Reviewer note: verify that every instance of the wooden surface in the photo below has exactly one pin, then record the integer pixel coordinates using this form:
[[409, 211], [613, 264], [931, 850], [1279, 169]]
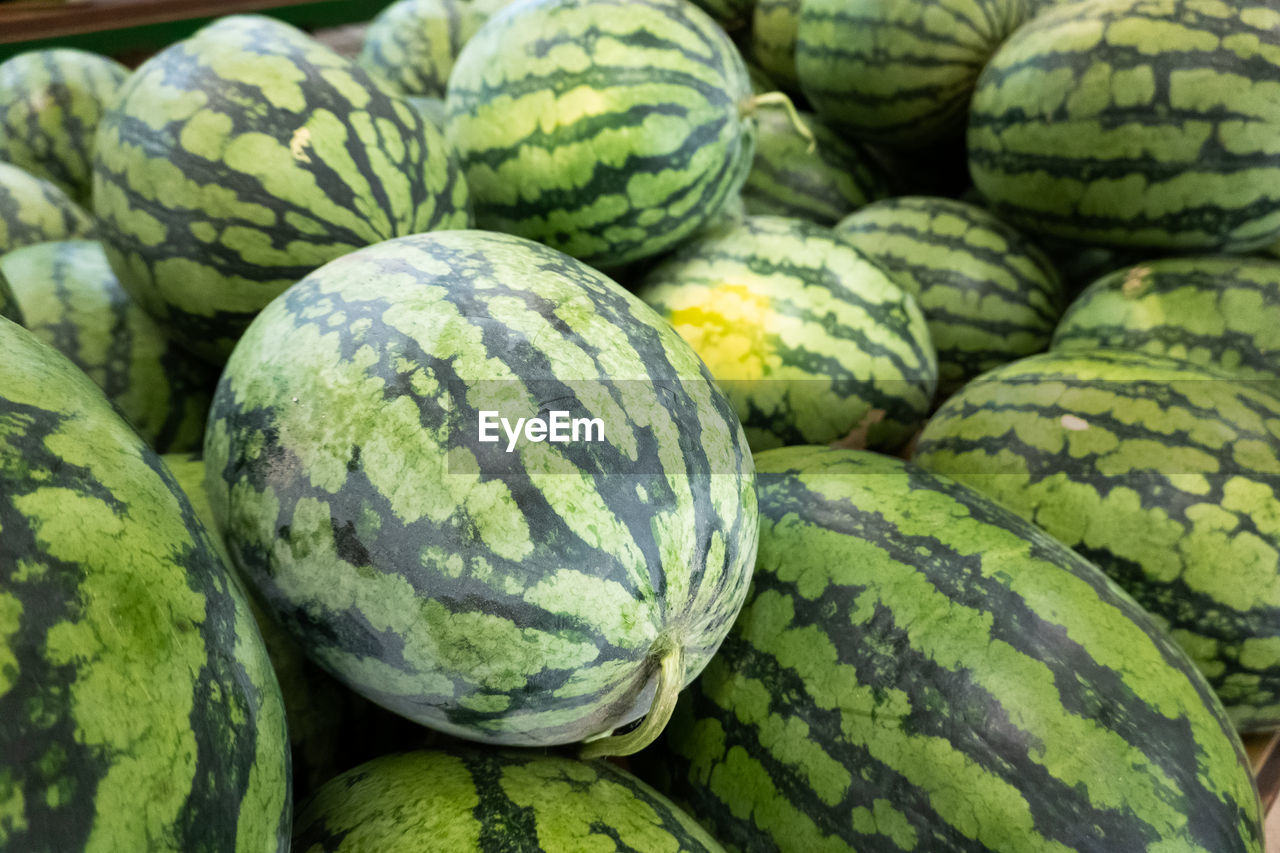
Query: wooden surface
[[1264, 758], [29, 21]]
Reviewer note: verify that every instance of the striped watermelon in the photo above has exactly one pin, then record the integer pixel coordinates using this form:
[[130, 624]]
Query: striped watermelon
[[138, 710], [898, 72], [821, 182], [413, 44], [493, 802], [988, 294], [616, 146], [811, 340], [773, 39], [529, 593], [1165, 475], [33, 210], [242, 158], [1135, 123], [1218, 312], [72, 301], [917, 669], [50, 104]]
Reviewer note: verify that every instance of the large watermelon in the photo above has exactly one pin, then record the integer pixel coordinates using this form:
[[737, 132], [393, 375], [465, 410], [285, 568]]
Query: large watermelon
[[1218, 312], [608, 129], [239, 160], [1164, 474], [72, 301], [493, 802], [138, 710], [33, 210], [1135, 123], [898, 71], [50, 104], [812, 340], [989, 295], [918, 669], [525, 592]]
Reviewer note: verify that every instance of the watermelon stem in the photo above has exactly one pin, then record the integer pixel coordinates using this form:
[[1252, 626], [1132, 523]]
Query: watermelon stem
[[670, 680], [781, 99]]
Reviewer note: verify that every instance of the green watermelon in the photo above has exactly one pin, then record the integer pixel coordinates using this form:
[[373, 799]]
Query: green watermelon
[[898, 71], [812, 340], [773, 39], [72, 301], [989, 295], [493, 802], [50, 104], [239, 160], [918, 669], [1135, 123], [821, 180], [514, 592], [613, 147], [1166, 475], [413, 44], [138, 710], [33, 210], [1218, 312]]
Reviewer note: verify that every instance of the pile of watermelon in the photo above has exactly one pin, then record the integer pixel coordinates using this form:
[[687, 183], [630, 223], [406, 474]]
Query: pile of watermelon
[[645, 425]]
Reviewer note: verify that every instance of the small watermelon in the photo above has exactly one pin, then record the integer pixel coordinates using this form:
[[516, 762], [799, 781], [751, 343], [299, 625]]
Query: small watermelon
[[773, 39], [138, 709], [917, 669], [33, 210], [1135, 123], [72, 301], [812, 340], [1218, 312], [50, 104], [821, 180], [493, 802], [239, 160], [412, 44], [529, 592], [989, 295], [1165, 475], [608, 129], [898, 71]]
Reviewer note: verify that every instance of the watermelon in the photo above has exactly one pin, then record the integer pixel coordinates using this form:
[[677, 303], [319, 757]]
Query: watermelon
[[898, 71], [1166, 475], [918, 669], [493, 802], [773, 39], [989, 295], [431, 109], [50, 104], [819, 180], [413, 44], [239, 160], [138, 710], [33, 210], [72, 301], [1135, 123], [1219, 312], [522, 591], [811, 339], [613, 147]]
